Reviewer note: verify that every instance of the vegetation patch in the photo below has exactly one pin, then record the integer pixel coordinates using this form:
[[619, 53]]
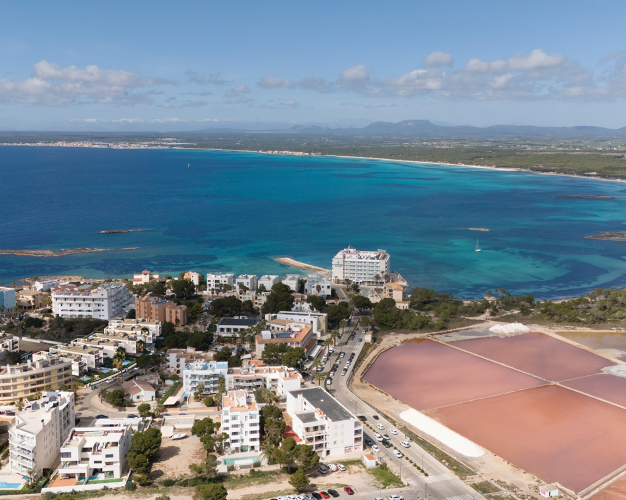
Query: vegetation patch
[[385, 477], [485, 487]]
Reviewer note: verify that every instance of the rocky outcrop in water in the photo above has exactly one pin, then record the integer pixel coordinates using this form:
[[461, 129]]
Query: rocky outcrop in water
[[614, 236]]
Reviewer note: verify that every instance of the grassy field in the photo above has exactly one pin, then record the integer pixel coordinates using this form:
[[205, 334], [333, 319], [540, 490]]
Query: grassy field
[[485, 487], [385, 477]]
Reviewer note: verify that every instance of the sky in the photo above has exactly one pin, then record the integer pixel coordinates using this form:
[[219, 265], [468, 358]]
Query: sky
[[175, 66]]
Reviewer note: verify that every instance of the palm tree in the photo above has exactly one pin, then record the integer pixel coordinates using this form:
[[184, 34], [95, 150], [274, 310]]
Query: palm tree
[[316, 363], [319, 376], [119, 364], [37, 395], [141, 345], [269, 397], [327, 343], [333, 335], [343, 323], [19, 405]]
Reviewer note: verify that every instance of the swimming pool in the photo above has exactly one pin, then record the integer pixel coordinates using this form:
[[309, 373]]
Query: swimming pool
[[233, 461], [9, 486]]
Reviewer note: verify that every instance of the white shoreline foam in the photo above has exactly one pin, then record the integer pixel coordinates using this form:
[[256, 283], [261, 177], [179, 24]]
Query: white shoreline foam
[[440, 432]]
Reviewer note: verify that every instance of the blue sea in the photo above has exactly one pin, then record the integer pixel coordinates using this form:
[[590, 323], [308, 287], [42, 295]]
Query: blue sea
[[235, 212]]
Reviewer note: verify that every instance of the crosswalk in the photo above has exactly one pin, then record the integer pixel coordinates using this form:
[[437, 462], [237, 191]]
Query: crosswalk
[[467, 496], [436, 479], [411, 482]]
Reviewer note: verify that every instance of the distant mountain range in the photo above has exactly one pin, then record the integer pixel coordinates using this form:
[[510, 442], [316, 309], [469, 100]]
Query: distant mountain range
[[425, 128]]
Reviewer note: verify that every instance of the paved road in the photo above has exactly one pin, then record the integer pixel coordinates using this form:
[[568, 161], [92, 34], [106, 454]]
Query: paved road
[[441, 484]]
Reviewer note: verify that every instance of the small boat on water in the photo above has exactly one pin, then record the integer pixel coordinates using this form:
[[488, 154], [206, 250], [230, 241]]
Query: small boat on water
[[188, 165], [180, 435], [477, 248]]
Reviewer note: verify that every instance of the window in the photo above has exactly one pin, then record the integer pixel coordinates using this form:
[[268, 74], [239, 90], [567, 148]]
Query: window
[[109, 456], [66, 454]]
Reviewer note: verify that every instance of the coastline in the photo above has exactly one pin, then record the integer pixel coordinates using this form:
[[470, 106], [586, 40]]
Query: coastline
[[296, 153], [60, 253], [288, 261]]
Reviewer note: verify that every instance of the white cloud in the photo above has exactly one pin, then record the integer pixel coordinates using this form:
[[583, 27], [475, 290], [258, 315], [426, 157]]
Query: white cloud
[[212, 79], [291, 104], [311, 82], [355, 75], [438, 58], [51, 84]]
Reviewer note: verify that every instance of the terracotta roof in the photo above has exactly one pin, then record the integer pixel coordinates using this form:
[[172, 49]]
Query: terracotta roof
[[298, 338]]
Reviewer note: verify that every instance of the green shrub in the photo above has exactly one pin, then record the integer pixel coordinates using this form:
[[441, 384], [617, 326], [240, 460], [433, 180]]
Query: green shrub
[[257, 464], [230, 468], [168, 482], [130, 486]]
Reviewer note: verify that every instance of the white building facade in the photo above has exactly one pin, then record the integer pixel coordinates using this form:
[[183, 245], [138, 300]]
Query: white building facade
[[39, 431], [360, 266], [292, 281], [136, 326], [205, 373], [248, 280], [323, 423], [318, 284], [268, 281], [214, 281], [45, 285], [241, 421], [317, 320], [7, 298], [106, 301]]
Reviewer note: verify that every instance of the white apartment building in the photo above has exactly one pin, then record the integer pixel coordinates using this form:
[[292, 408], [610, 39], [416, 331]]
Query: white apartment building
[[90, 356], [278, 379], [95, 451], [39, 430], [230, 327], [323, 423], [215, 281], [248, 280], [7, 298], [241, 421], [318, 284], [136, 326], [292, 281], [144, 277], [129, 341], [205, 373], [179, 359], [44, 285], [104, 302], [317, 320], [193, 277], [9, 342], [360, 267], [268, 281]]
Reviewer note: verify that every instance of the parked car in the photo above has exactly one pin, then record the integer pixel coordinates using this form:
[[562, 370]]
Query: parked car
[[385, 436], [393, 431], [378, 437], [380, 426], [406, 444], [368, 442], [375, 417], [332, 467], [342, 354], [348, 490], [341, 467], [102, 416], [324, 494], [329, 381], [317, 496], [322, 468], [386, 443], [375, 448], [395, 497], [397, 453], [343, 372], [333, 493], [363, 331], [308, 497], [362, 418], [360, 339], [131, 415]]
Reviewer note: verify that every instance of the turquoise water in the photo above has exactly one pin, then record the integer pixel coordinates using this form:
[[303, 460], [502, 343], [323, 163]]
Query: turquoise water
[[9, 486], [237, 211], [233, 461]]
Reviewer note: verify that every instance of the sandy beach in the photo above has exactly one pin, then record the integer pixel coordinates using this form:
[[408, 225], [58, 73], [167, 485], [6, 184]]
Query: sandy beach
[[301, 265]]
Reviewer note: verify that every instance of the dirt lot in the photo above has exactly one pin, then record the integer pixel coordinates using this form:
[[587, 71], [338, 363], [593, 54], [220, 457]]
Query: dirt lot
[[174, 457]]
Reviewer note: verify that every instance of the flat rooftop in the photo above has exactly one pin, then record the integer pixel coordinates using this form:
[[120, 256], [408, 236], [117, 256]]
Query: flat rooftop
[[321, 400]]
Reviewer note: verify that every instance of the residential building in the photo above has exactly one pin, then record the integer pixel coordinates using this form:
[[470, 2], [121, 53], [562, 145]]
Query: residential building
[[279, 379], [7, 298], [205, 373], [157, 309], [105, 301], [9, 342], [22, 380], [137, 423], [39, 430], [91, 356], [268, 281], [292, 281], [317, 320], [300, 303], [139, 390], [318, 284], [323, 423], [147, 329], [179, 359], [260, 298], [45, 285], [107, 347], [360, 266], [131, 342], [241, 421], [193, 277], [144, 278], [250, 281], [30, 299], [296, 335], [229, 327], [393, 291], [95, 451], [216, 281]]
